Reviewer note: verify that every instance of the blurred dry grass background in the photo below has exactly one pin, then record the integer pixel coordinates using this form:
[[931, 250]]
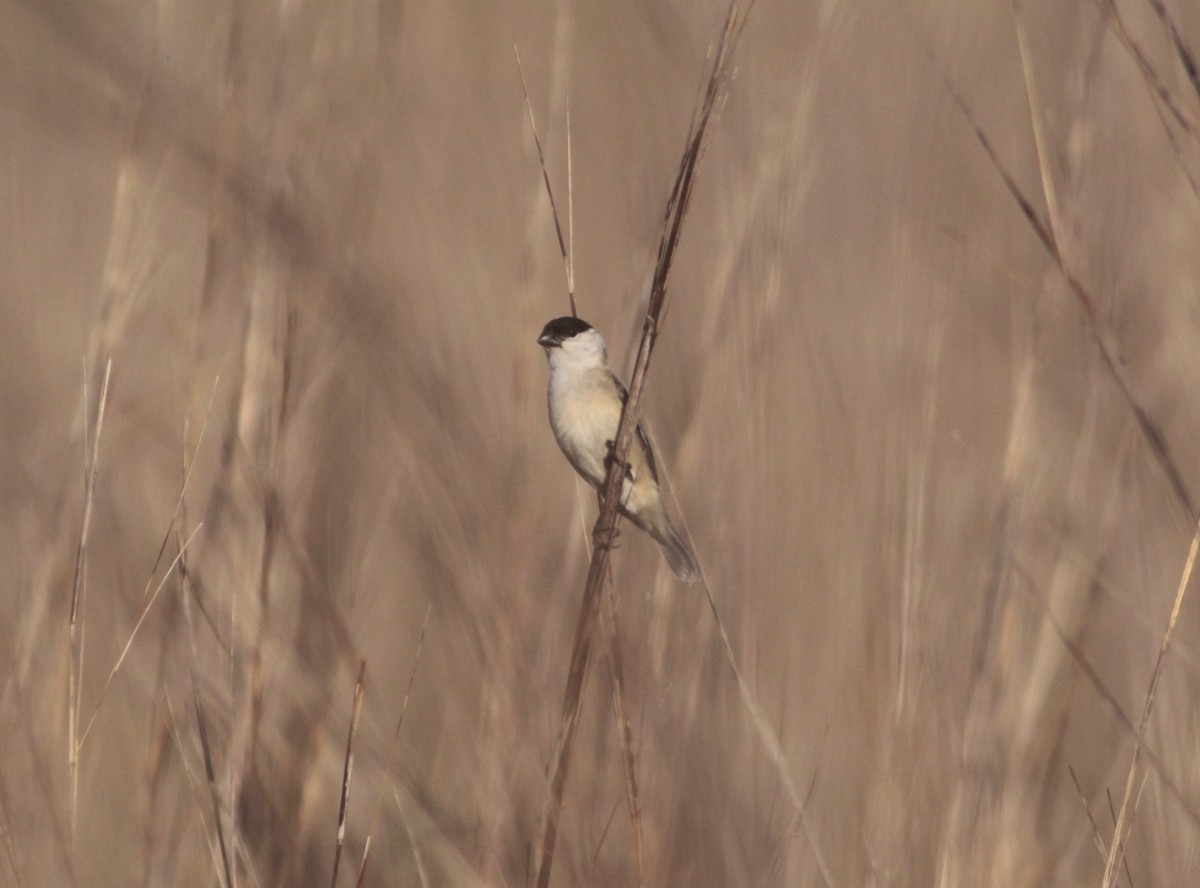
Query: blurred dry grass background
[[904, 465]]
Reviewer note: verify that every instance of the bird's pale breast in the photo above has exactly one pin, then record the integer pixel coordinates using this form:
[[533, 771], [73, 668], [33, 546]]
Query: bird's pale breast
[[585, 412]]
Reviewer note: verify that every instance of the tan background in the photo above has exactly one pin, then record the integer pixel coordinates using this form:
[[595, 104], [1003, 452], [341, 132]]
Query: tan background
[[889, 431]]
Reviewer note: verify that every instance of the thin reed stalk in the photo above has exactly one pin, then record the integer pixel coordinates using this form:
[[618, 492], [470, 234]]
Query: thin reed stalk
[[348, 770], [604, 531], [79, 589], [1116, 846]]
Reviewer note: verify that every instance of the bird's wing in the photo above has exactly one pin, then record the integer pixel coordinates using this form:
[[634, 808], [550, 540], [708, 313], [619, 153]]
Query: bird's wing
[[641, 433]]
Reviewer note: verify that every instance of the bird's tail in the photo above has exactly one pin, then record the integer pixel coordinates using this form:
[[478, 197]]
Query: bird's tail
[[679, 557]]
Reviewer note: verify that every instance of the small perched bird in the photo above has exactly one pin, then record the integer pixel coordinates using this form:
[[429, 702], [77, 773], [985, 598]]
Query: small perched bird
[[585, 410]]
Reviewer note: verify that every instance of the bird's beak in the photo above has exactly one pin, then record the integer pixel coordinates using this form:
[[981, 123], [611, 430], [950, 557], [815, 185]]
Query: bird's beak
[[548, 341]]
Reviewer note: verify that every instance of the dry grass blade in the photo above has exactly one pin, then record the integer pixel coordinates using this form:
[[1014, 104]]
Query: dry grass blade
[[202, 725], [387, 776], [767, 736], [1049, 192], [1185, 55], [1112, 813], [1164, 97], [1155, 83], [188, 466], [90, 461], [348, 769], [1097, 837], [137, 624], [1115, 848], [1093, 677], [418, 860], [192, 785], [570, 216], [210, 774], [564, 245], [79, 587], [612, 815], [604, 531], [147, 598]]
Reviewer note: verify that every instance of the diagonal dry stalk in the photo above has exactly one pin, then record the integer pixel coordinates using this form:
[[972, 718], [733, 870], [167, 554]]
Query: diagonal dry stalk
[[1100, 334], [1087, 811], [1096, 836], [147, 604], [192, 784], [1110, 699], [604, 531], [201, 720], [1166, 104], [149, 598], [767, 736], [348, 769], [1116, 846], [1052, 237], [1049, 192], [1186, 58], [1153, 80], [418, 860], [79, 587]]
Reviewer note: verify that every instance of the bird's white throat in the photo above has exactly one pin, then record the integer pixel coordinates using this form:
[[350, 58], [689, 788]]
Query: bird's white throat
[[578, 354]]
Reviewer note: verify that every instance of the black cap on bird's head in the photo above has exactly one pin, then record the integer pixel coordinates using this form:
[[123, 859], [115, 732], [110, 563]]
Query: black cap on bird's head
[[561, 329]]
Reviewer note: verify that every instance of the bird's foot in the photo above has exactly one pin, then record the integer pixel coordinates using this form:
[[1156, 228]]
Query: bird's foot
[[611, 458], [602, 540]]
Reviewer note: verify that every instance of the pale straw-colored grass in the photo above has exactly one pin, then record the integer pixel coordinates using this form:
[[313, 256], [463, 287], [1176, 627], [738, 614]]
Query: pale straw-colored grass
[[925, 400]]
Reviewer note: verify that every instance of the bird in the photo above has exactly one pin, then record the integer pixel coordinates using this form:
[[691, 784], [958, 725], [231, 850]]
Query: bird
[[585, 399]]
